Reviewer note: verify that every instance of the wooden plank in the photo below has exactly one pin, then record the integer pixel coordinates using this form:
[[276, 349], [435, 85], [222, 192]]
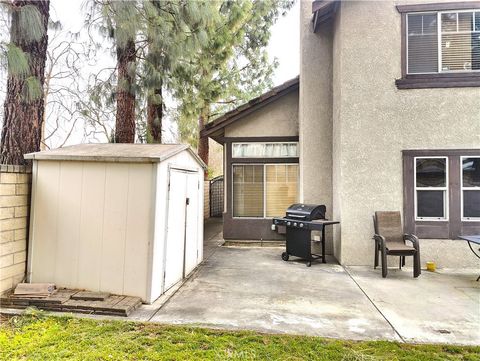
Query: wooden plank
[[127, 305], [90, 296], [34, 288]]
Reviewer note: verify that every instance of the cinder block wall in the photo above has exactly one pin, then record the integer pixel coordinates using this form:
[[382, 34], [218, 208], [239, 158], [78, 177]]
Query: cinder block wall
[[206, 202], [14, 211]]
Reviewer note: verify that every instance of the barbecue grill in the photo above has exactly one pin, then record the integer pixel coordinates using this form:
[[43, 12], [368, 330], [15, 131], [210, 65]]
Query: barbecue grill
[[300, 220]]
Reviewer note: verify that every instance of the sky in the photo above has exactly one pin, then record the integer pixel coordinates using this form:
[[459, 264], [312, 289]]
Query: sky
[[284, 46], [284, 42]]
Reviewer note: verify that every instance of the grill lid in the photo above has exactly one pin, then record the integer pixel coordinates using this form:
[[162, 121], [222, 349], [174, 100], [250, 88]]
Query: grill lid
[[306, 212]]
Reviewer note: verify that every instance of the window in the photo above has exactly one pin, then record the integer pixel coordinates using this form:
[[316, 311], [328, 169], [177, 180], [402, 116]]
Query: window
[[422, 42], [248, 190], [431, 188], [281, 188], [440, 45], [441, 42], [441, 192], [470, 181], [265, 150], [264, 190]]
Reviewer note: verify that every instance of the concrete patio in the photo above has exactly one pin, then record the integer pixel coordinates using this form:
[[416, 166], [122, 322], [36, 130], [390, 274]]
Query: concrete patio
[[252, 288]]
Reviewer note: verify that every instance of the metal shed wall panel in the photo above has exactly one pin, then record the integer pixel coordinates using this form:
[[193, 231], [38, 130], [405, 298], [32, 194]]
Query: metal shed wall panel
[[181, 160], [92, 225]]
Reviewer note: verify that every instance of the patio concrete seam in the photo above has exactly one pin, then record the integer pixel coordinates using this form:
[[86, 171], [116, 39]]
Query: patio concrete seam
[[374, 305]]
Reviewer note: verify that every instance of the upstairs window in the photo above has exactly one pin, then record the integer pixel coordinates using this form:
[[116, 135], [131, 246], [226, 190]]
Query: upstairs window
[[443, 42]]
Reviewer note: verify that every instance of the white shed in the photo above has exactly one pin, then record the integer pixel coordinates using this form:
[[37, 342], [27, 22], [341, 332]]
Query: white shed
[[119, 218]]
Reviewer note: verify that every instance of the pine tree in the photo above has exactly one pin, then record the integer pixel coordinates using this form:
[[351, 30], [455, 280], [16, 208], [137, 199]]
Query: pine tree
[[24, 104], [120, 21], [232, 66], [174, 31], [151, 38]]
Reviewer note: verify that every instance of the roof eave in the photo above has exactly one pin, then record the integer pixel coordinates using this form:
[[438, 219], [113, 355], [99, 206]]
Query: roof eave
[[323, 10], [215, 129]]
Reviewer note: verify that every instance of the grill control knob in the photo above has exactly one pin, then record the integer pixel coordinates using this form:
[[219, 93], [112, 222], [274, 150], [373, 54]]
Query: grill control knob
[[295, 224], [288, 223], [300, 225]]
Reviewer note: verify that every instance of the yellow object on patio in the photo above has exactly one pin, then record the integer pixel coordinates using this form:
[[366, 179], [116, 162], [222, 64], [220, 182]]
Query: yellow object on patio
[[431, 266]]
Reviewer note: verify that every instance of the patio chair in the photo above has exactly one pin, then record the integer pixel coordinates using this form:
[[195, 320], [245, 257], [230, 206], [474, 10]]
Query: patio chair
[[391, 241]]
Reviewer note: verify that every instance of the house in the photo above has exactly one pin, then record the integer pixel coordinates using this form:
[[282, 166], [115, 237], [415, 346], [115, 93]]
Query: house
[[388, 119]]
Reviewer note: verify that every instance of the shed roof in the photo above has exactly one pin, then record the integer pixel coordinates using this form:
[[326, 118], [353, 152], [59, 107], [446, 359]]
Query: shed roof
[[215, 128], [115, 152]]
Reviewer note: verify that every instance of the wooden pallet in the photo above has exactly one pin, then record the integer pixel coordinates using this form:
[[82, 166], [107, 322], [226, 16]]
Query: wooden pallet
[[61, 300]]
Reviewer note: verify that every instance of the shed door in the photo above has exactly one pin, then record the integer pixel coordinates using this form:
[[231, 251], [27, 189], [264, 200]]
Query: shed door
[[182, 226], [191, 237]]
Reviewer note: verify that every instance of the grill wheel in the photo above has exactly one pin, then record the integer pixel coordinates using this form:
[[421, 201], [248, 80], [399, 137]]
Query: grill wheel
[[285, 256]]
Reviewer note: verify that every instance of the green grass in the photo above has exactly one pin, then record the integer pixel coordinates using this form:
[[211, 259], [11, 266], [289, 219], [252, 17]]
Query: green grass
[[37, 336]]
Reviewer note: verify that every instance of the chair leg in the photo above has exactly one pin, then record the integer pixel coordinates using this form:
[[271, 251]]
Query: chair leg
[[400, 262], [416, 265], [384, 264], [403, 261], [375, 264]]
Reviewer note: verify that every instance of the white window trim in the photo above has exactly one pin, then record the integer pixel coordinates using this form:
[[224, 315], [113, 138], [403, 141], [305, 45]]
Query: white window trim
[[444, 189], [264, 187], [439, 39], [462, 188], [263, 156]]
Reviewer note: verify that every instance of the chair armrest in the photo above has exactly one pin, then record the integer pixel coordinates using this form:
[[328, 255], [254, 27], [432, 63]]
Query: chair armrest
[[380, 239], [412, 238]]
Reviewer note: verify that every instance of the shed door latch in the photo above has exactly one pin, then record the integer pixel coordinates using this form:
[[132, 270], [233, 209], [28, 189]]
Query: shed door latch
[[187, 201]]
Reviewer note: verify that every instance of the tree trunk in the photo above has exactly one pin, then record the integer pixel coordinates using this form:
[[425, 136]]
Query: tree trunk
[[203, 148], [125, 118], [154, 118], [23, 118]]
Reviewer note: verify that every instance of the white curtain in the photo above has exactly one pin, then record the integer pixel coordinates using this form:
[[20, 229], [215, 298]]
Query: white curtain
[[265, 150]]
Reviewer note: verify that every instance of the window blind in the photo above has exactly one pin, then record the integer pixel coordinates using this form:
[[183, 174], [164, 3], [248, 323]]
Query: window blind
[[422, 43], [281, 188], [248, 190], [459, 46], [264, 190], [460, 42]]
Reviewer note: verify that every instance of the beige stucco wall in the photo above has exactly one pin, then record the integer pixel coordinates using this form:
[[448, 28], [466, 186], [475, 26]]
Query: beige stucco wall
[[373, 122], [315, 114], [14, 209], [276, 119]]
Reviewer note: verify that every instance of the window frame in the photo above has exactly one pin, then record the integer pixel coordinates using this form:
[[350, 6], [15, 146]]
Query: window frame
[[455, 226], [264, 187], [440, 34], [445, 190], [462, 188], [263, 156], [446, 79]]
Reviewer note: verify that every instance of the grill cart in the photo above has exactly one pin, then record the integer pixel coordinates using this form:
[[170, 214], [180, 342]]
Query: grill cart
[[300, 220]]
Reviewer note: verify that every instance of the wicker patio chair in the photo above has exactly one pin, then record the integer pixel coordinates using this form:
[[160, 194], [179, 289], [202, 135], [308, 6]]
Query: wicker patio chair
[[391, 241]]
